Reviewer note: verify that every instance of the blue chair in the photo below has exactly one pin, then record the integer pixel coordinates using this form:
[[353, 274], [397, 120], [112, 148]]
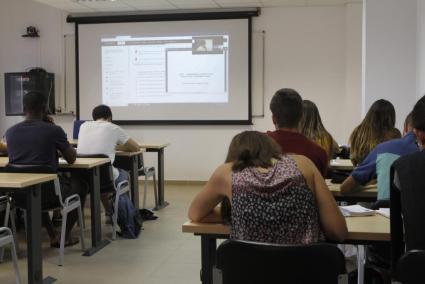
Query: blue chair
[[76, 129]]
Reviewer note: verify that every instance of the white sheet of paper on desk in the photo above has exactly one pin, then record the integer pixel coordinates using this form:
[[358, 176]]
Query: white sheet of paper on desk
[[384, 212], [356, 211]]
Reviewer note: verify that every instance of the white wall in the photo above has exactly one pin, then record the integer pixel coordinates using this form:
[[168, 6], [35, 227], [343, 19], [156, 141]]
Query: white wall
[[18, 54], [390, 54], [421, 49], [316, 50]]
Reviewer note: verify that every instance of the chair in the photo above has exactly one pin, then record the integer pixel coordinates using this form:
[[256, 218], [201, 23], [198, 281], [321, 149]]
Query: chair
[[407, 198], [148, 172], [76, 128], [119, 189], [410, 268], [251, 262], [9, 213], [67, 205], [6, 238]]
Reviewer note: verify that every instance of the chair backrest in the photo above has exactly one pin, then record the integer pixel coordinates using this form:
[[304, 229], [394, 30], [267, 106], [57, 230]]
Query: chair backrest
[[407, 196], [410, 268], [76, 129], [40, 169], [250, 262], [21, 168]]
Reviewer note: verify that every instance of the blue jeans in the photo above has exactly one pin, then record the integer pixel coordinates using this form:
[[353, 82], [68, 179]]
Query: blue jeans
[[122, 176]]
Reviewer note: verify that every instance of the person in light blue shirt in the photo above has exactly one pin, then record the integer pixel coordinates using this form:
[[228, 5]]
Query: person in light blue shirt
[[378, 163]]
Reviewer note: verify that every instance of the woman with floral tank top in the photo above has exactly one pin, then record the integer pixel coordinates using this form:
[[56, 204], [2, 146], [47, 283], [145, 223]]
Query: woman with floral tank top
[[274, 198]]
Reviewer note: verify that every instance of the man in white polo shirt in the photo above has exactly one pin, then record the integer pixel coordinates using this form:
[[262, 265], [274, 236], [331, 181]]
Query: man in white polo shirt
[[101, 136]]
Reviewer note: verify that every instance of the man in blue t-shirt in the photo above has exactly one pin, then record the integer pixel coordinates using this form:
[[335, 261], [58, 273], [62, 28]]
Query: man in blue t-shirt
[[36, 141], [378, 163]]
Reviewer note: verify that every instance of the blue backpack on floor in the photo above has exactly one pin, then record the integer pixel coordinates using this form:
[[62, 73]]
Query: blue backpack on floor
[[129, 219]]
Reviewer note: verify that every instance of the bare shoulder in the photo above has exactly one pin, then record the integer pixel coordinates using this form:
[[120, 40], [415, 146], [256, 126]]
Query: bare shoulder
[[222, 172], [303, 162], [307, 168]]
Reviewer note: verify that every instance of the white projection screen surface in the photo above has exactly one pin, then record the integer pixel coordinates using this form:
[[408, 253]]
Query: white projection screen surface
[[167, 71]]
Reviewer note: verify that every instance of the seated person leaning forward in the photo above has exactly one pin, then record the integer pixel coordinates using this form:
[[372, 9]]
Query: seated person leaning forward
[[378, 162], [101, 136], [275, 198], [287, 109], [36, 141]]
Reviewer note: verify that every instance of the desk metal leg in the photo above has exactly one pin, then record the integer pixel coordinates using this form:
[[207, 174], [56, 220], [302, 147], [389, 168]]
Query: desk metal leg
[[208, 256], [361, 260], [161, 198], [134, 181], [35, 259], [96, 225]]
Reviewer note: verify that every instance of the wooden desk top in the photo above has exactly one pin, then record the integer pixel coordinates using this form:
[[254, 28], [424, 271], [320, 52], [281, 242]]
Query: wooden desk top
[[370, 228], [153, 146], [128, 154], [80, 163], [83, 163], [369, 191], [158, 146], [341, 164], [22, 180]]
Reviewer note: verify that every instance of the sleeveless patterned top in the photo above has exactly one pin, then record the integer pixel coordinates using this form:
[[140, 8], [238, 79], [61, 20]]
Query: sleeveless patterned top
[[274, 207]]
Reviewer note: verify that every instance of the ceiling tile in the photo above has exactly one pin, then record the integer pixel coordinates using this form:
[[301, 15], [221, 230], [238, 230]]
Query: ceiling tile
[[325, 2], [191, 2], [274, 3], [196, 6], [240, 5], [103, 4], [63, 4], [149, 4]]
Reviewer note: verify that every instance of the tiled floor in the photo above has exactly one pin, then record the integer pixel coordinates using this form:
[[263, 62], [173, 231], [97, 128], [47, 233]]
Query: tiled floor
[[162, 254]]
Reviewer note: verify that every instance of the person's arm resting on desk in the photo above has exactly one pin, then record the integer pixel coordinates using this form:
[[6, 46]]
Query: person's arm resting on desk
[[68, 152], [3, 147], [129, 146], [218, 186], [362, 174], [70, 155], [331, 220]]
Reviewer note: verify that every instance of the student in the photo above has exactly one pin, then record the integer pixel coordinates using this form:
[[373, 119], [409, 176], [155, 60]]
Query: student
[[286, 108], [409, 179], [376, 127], [36, 141], [276, 198], [378, 163], [101, 136], [311, 126]]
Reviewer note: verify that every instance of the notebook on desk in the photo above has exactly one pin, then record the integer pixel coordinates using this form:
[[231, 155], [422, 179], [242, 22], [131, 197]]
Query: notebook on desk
[[356, 211]]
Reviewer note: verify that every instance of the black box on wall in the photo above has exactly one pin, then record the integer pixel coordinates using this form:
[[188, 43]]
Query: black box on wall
[[17, 84]]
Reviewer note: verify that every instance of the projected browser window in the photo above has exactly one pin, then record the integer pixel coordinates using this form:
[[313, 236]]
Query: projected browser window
[[174, 69]]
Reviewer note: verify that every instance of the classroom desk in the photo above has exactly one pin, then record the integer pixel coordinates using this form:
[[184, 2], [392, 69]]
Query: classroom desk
[[361, 231], [89, 167], [31, 183], [158, 148], [369, 194], [131, 164], [341, 164]]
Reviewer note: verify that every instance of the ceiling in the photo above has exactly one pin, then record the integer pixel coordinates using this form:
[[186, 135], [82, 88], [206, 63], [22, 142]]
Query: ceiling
[[84, 6]]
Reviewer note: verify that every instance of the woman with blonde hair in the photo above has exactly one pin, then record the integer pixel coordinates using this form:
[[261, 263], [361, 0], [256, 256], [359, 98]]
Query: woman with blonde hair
[[311, 126], [275, 198], [376, 127]]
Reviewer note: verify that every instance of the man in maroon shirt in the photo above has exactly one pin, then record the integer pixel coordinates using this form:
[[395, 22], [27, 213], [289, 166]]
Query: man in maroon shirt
[[286, 107]]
